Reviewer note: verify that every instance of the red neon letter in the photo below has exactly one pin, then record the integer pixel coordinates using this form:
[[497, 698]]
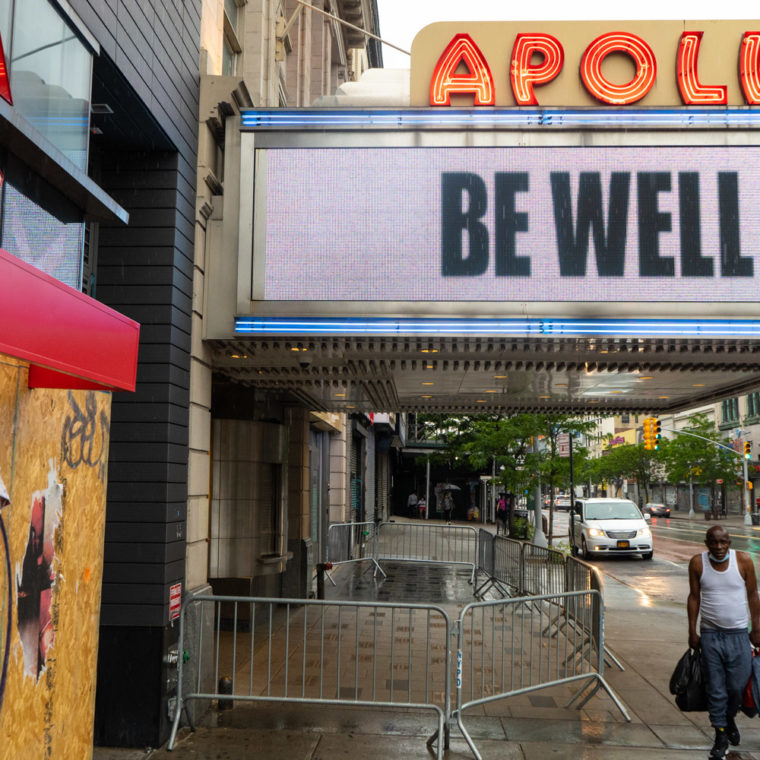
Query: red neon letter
[[692, 91], [5, 84], [524, 76], [618, 94], [479, 81], [749, 67]]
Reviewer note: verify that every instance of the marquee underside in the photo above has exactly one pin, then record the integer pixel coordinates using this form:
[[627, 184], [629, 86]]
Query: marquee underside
[[583, 375]]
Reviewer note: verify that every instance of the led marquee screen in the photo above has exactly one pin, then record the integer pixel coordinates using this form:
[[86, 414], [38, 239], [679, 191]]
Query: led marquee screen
[[512, 224]]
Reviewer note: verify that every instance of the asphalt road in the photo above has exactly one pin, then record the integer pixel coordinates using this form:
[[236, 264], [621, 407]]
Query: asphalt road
[[664, 579]]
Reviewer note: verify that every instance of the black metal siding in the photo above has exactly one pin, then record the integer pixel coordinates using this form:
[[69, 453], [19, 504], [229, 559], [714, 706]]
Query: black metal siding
[[145, 270]]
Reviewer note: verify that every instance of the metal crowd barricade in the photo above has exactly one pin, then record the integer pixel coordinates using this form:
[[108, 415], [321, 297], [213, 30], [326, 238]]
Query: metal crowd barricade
[[352, 542], [438, 544], [508, 565], [485, 562], [543, 570], [502, 650], [582, 576], [313, 651]]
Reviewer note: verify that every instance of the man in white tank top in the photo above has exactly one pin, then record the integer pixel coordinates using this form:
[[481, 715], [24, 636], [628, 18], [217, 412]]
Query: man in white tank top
[[723, 595]]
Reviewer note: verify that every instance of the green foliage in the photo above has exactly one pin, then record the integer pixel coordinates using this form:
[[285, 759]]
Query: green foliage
[[522, 528], [631, 461], [482, 443], [508, 442], [690, 458]]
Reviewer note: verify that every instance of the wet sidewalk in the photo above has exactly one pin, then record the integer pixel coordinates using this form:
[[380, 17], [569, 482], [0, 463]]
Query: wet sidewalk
[[646, 637]]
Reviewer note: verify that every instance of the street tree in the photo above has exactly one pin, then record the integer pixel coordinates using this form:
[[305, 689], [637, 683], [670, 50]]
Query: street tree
[[628, 461], [688, 458]]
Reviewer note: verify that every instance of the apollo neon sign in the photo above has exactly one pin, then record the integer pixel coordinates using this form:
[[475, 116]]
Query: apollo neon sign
[[538, 58]]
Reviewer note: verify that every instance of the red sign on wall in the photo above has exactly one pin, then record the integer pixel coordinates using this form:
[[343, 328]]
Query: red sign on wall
[[175, 601]]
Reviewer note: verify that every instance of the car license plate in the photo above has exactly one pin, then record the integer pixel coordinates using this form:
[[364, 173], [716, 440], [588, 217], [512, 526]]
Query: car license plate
[[622, 544]]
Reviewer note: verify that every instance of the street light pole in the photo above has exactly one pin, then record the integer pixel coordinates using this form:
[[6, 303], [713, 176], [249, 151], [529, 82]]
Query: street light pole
[[747, 507], [691, 494], [539, 539]]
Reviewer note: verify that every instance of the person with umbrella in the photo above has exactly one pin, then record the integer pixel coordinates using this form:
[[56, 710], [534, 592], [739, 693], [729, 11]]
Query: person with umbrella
[[448, 505]]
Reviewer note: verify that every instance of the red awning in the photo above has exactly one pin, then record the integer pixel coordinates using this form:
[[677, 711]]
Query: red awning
[[70, 339]]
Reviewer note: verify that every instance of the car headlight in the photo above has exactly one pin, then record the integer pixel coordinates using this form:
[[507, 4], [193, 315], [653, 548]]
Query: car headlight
[[644, 533], [596, 532]]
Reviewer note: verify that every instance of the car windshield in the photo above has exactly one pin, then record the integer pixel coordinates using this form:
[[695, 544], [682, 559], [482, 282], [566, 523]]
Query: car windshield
[[614, 510]]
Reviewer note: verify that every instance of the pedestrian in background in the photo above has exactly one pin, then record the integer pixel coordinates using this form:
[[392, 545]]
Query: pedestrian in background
[[723, 595], [411, 504], [448, 506], [422, 507], [501, 514]]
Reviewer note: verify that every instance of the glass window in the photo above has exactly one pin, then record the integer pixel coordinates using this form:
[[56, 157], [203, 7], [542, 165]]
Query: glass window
[[231, 9], [51, 71], [730, 409], [5, 25], [753, 404], [229, 60]]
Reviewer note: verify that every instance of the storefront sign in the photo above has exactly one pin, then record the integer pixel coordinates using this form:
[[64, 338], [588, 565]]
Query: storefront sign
[[684, 63]]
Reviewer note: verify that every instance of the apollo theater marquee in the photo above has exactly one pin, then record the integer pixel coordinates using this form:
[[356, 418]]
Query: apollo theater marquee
[[541, 173]]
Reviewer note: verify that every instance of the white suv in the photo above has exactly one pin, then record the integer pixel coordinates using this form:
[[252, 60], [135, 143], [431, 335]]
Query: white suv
[[609, 526]]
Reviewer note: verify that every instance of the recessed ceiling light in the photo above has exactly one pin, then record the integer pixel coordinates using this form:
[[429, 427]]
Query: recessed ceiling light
[[428, 383], [429, 366], [340, 395], [646, 378], [429, 350], [500, 377], [480, 401], [492, 391], [561, 385], [544, 396], [663, 397], [698, 385], [350, 406], [616, 391], [426, 397]]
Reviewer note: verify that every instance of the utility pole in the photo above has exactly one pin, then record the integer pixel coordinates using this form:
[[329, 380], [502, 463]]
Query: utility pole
[[539, 539]]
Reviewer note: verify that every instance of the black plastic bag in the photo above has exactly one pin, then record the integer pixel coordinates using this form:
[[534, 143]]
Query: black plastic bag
[[687, 684]]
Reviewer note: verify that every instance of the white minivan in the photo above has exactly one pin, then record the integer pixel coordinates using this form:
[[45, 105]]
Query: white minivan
[[609, 526]]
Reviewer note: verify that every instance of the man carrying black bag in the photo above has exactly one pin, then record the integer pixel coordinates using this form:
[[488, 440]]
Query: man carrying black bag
[[722, 584]]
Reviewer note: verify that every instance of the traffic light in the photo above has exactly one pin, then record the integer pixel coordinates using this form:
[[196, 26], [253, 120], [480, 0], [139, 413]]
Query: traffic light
[[648, 433], [656, 432], [748, 449]]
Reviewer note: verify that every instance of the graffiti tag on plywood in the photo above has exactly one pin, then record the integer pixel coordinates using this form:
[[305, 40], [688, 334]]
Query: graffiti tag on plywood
[[85, 435], [36, 576], [5, 593]]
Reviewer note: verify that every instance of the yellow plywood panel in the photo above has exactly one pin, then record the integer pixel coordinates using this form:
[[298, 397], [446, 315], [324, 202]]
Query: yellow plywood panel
[[54, 524]]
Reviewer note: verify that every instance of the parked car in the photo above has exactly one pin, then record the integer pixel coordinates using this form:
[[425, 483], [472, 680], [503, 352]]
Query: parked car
[[609, 526], [656, 510]]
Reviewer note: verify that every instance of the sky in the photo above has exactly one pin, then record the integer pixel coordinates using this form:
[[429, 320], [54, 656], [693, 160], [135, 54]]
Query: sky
[[400, 20]]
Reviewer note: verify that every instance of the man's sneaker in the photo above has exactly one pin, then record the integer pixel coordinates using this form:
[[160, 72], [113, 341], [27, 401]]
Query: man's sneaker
[[732, 732], [719, 749]]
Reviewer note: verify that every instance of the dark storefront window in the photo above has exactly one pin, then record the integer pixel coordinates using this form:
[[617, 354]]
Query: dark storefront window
[[40, 226], [50, 73]]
